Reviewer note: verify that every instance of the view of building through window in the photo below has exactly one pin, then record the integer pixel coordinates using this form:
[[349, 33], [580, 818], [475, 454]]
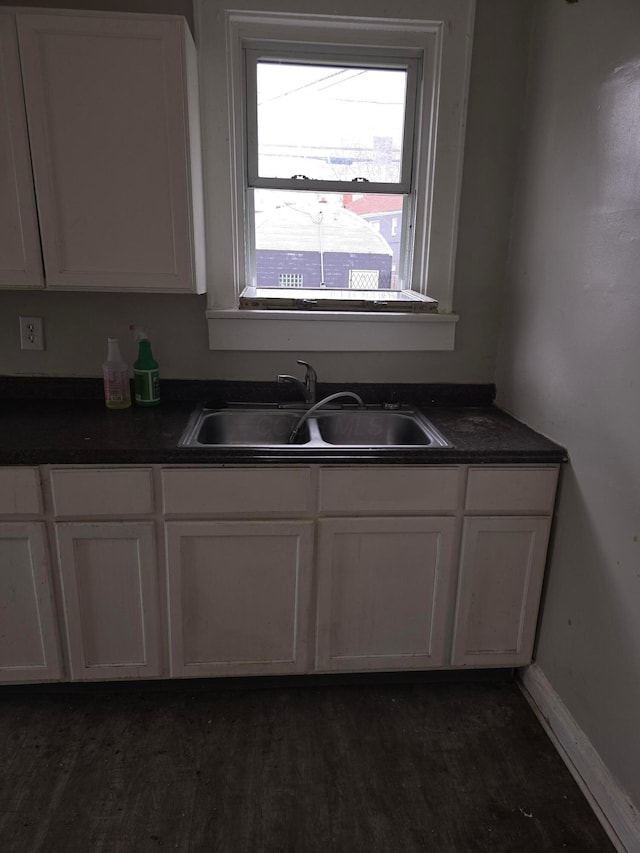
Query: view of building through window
[[311, 240]]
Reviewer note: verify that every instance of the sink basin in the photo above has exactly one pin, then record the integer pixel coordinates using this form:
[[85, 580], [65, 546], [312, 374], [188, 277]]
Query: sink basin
[[377, 429], [250, 428], [327, 428]]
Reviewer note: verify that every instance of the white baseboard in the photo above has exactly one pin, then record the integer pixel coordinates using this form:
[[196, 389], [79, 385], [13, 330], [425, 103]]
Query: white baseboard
[[613, 808]]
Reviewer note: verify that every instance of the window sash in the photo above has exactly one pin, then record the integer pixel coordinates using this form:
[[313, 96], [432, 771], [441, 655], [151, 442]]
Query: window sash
[[406, 254], [347, 57]]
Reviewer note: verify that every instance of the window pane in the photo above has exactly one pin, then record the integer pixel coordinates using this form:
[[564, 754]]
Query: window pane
[[340, 241], [330, 122]]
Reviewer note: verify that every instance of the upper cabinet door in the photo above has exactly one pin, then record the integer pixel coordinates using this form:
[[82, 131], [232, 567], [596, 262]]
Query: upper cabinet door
[[20, 257], [112, 113]]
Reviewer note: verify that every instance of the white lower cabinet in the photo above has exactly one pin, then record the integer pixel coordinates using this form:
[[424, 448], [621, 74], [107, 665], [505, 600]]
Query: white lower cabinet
[[110, 597], [384, 592], [269, 570], [28, 640], [239, 596], [500, 579]]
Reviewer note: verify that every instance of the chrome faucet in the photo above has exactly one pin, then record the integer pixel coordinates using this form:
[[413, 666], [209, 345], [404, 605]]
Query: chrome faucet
[[308, 386], [314, 408]]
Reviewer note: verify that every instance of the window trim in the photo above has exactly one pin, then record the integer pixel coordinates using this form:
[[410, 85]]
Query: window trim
[[320, 331], [445, 34]]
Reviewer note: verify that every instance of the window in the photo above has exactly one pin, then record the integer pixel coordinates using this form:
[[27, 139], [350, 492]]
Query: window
[[316, 127], [290, 279], [319, 123], [364, 279]]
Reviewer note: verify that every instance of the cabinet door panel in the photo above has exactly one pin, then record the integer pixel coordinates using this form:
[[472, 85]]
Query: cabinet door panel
[[501, 571], [238, 596], [110, 599], [28, 641], [384, 588], [20, 258], [107, 114]]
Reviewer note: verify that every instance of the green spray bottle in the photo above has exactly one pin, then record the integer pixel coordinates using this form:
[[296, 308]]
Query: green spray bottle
[[146, 375]]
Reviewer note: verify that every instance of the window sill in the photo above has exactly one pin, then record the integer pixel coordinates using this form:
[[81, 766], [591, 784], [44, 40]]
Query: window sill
[[325, 331]]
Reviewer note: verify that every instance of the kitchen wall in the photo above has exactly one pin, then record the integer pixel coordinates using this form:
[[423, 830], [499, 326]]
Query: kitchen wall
[[570, 354], [77, 325]]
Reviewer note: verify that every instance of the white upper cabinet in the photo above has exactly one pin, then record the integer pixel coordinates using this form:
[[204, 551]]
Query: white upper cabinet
[[20, 256], [112, 111]]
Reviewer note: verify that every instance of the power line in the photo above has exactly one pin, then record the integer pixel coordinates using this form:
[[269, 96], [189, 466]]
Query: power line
[[305, 86]]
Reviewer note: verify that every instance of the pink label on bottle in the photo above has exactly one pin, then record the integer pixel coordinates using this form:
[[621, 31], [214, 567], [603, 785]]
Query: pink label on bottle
[[116, 386]]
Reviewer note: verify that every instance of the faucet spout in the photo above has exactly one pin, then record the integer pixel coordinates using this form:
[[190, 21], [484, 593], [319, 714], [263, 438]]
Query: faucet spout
[[338, 395]]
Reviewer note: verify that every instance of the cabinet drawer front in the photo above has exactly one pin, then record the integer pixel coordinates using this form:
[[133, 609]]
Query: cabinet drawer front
[[19, 491], [91, 492], [388, 491], [237, 491], [511, 490]]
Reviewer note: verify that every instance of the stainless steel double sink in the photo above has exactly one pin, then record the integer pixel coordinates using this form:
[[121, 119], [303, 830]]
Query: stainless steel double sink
[[263, 427]]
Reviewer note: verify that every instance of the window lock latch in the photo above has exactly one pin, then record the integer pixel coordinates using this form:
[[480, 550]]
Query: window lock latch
[[299, 178], [359, 180]]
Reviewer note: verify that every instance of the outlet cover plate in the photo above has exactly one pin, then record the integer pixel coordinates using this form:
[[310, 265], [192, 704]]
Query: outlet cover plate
[[31, 333]]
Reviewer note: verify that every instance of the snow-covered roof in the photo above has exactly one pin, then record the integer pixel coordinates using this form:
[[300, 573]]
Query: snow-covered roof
[[319, 226]]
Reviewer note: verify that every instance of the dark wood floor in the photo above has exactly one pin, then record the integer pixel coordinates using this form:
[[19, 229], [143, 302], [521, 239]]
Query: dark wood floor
[[432, 767]]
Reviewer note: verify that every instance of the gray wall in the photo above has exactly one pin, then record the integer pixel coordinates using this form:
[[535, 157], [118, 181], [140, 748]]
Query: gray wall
[[77, 325], [570, 354]]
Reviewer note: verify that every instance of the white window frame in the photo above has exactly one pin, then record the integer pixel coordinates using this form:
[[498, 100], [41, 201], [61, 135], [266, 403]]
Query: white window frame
[[444, 34]]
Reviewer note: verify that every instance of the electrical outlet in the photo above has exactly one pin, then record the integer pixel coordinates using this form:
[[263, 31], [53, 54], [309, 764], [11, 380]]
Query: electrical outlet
[[31, 333]]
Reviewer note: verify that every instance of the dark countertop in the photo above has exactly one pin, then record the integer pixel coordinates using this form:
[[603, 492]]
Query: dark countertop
[[37, 430]]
